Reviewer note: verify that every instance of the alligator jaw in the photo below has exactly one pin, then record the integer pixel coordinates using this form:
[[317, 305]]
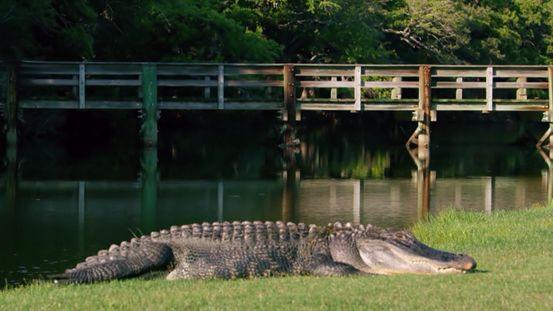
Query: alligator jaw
[[383, 257]]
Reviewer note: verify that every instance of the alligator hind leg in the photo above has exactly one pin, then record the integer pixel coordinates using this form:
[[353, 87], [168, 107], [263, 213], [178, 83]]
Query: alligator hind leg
[[323, 265], [119, 262]]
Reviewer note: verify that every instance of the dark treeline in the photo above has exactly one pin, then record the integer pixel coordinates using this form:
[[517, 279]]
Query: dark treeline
[[345, 31]]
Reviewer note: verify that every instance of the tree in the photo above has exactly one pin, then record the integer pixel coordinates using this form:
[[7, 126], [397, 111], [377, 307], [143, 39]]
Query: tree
[[46, 29]]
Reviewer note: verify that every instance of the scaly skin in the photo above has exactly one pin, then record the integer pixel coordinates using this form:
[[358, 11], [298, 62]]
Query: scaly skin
[[253, 249]]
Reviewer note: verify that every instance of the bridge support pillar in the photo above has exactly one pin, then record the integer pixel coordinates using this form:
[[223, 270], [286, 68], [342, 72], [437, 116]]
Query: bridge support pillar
[[11, 105], [423, 115], [290, 114], [548, 116], [150, 111]]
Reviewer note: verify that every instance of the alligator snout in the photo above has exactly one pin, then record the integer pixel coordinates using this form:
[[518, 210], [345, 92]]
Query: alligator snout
[[465, 263]]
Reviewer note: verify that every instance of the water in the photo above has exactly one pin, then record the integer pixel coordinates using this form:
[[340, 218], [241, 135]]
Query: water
[[61, 203]]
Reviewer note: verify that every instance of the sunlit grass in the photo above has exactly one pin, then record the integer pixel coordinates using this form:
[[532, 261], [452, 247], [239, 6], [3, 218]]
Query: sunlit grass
[[514, 251]]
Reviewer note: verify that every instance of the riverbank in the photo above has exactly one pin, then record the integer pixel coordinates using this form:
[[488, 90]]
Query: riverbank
[[514, 250]]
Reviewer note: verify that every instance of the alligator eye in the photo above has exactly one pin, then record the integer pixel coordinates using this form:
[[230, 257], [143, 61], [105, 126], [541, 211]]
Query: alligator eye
[[400, 235]]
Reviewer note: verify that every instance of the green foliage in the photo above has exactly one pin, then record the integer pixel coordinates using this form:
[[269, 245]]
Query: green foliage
[[350, 31], [46, 29]]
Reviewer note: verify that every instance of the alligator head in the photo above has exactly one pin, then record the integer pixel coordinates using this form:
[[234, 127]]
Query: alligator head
[[393, 252]]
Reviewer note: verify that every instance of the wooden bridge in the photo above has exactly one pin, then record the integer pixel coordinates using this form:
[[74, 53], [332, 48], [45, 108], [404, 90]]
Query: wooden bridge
[[423, 90]]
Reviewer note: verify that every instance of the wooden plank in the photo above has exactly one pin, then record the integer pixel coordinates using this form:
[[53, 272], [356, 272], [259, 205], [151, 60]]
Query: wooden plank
[[521, 92], [49, 104], [459, 85], [111, 104], [396, 92], [389, 107], [498, 107], [521, 84], [489, 89], [323, 72], [390, 84], [187, 83], [520, 107], [207, 90], [522, 102], [221, 87], [357, 89], [187, 105], [326, 84], [327, 100], [408, 101], [469, 101], [115, 82], [82, 80], [333, 91], [231, 70], [253, 83], [47, 69], [121, 69], [459, 91], [187, 70], [253, 105], [517, 73], [369, 72], [455, 73], [34, 72], [49, 82], [461, 101], [327, 106], [75, 90], [458, 107]]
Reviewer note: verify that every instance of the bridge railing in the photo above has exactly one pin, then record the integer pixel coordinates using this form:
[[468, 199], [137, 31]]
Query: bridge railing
[[488, 88], [261, 86]]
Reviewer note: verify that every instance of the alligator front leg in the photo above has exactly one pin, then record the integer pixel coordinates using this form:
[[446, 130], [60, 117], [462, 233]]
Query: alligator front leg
[[323, 265]]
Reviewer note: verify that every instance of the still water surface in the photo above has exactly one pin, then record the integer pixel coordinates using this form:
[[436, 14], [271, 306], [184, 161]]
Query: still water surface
[[59, 206]]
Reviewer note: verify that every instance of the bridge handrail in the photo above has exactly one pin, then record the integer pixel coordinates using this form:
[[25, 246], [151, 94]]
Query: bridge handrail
[[353, 87]]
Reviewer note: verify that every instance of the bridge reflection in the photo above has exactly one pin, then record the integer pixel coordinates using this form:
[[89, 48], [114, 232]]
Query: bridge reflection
[[149, 203]]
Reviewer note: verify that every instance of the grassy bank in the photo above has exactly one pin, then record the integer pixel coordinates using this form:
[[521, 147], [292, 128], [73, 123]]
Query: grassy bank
[[514, 251]]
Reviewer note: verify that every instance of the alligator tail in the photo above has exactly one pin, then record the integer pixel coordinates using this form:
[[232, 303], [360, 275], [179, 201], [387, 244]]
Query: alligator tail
[[127, 260]]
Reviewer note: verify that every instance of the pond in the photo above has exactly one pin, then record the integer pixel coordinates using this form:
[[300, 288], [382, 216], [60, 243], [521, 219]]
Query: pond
[[61, 204]]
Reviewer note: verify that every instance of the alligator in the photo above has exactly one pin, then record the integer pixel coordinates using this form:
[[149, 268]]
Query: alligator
[[255, 249]]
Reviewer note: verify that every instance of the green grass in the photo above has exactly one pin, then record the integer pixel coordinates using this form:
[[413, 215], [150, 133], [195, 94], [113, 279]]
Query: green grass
[[514, 251]]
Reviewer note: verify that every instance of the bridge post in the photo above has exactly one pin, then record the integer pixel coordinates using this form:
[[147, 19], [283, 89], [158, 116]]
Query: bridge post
[[423, 116], [548, 116], [11, 105], [149, 105], [291, 115], [550, 110]]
